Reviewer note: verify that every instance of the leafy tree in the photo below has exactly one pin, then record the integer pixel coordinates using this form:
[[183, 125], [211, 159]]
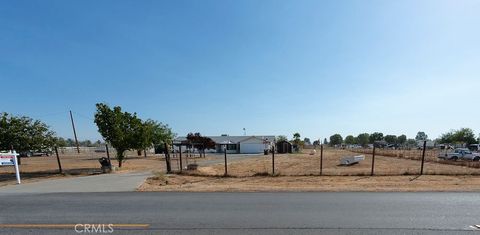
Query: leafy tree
[[336, 139], [462, 136], [316, 142], [363, 139], [325, 141], [200, 142], [281, 138], [122, 130], [160, 133], [70, 142], [350, 140], [402, 139], [411, 143], [391, 139], [297, 141], [24, 134], [421, 136], [307, 141], [376, 136], [61, 142]]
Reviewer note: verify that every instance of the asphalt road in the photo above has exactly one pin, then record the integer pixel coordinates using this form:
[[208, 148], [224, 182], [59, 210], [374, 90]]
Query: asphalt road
[[246, 213]]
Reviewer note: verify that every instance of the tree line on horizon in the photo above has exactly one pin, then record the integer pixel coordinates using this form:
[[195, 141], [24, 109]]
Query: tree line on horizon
[[460, 136]]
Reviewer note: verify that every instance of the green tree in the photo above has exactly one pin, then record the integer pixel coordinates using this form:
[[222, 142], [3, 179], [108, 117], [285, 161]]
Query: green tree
[[391, 139], [421, 136], [461, 136], [281, 138], [296, 136], [376, 136], [325, 141], [24, 134], [350, 140], [363, 139], [297, 141], [160, 133], [402, 139], [411, 143], [336, 140], [61, 142], [122, 130], [307, 141]]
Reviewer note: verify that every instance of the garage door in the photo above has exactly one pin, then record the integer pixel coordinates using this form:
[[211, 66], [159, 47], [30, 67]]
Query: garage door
[[252, 148]]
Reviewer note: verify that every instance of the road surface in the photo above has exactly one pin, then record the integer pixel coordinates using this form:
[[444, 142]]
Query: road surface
[[244, 213]]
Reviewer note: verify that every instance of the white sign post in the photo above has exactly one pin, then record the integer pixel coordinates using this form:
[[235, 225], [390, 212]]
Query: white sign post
[[10, 159]]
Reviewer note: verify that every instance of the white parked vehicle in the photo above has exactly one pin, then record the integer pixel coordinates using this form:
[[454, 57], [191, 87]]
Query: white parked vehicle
[[474, 147], [460, 153]]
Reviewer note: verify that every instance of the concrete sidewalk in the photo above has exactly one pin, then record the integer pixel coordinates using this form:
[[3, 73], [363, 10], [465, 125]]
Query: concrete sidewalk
[[118, 182]]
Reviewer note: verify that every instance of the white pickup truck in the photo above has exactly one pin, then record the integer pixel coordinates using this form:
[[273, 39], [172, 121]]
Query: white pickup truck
[[460, 153]]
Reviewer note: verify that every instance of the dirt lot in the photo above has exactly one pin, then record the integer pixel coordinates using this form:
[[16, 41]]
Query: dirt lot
[[299, 172], [306, 165], [311, 183], [41, 168]]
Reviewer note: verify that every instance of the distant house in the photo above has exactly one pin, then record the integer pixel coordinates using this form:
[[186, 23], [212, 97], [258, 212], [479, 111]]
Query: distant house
[[284, 147], [238, 144]]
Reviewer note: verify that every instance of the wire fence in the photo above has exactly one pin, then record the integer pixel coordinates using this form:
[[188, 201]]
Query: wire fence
[[312, 163]]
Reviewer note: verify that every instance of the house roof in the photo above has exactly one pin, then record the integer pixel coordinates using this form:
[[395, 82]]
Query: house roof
[[233, 139]]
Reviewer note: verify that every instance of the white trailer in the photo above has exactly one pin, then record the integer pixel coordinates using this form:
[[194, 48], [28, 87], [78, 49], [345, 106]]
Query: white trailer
[[351, 160]]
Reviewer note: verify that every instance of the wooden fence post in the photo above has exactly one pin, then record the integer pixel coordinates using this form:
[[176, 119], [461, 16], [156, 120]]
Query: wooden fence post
[[58, 161], [373, 161], [321, 159], [273, 160], [423, 156]]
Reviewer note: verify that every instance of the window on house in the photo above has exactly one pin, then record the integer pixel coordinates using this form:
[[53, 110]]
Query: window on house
[[231, 147]]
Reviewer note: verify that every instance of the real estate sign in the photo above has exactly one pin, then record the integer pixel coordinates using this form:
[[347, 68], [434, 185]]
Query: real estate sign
[[7, 160], [10, 159]]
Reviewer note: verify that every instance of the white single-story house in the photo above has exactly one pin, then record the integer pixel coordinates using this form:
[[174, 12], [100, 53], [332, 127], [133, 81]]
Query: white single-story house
[[238, 144]]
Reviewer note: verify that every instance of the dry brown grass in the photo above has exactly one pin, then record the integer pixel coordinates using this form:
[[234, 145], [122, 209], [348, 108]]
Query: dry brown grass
[[39, 168], [299, 172], [306, 165], [188, 183]]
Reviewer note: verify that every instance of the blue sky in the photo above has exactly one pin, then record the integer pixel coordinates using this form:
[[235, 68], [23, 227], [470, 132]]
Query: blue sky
[[272, 67]]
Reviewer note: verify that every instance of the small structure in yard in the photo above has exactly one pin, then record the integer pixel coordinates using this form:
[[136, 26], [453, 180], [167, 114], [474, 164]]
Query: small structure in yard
[[284, 147], [351, 160], [192, 167]]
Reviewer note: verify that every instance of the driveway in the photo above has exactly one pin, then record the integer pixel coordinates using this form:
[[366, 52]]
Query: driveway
[[118, 182]]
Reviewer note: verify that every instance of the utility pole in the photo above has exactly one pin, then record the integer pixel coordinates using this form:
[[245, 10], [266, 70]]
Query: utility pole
[[74, 131]]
